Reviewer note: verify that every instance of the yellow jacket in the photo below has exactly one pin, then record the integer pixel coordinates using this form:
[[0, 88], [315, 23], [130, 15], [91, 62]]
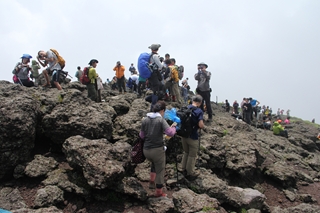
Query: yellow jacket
[[92, 74], [174, 73], [119, 71]]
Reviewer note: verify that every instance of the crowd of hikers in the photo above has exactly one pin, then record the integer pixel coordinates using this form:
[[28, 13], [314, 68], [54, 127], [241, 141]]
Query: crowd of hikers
[[250, 110], [160, 76]]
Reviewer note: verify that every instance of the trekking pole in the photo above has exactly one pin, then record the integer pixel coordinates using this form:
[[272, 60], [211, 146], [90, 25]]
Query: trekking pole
[[199, 148], [175, 152]]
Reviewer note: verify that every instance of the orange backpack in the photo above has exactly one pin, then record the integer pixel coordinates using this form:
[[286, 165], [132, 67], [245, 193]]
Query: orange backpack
[[61, 61]]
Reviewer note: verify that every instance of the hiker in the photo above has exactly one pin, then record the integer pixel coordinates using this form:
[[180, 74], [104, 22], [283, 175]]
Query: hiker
[[155, 79], [54, 69], [313, 120], [35, 66], [176, 97], [79, 73], [241, 105], [278, 113], [119, 69], [21, 72], [279, 130], [190, 144], [247, 111], [135, 81], [92, 75], [184, 91], [152, 129], [227, 106], [287, 120], [141, 85], [132, 69], [266, 122], [318, 136], [235, 106], [114, 84], [254, 104], [166, 56], [203, 88], [288, 113]]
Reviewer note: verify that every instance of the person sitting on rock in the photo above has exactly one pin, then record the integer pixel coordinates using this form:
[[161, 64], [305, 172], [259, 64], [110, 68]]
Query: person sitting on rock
[[266, 122], [279, 130], [287, 121], [21, 72], [152, 129]]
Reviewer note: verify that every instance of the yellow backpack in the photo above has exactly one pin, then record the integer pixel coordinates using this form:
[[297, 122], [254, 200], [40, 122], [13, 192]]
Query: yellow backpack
[[61, 61]]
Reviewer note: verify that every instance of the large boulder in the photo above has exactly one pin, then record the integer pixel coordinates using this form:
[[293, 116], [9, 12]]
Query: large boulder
[[186, 200], [102, 163], [18, 122]]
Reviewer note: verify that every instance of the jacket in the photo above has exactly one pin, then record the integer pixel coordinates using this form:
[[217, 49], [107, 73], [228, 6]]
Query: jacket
[[203, 79], [174, 73], [22, 73], [119, 71], [92, 74], [277, 128]]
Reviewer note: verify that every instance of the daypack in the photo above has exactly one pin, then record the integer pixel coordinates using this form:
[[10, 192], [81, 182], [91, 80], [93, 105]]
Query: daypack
[[136, 153], [84, 79], [185, 115], [180, 72], [144, 67], [61, 61]]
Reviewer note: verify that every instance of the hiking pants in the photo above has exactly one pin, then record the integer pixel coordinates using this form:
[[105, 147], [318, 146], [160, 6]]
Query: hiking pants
[[141, 86], [206, 98], [176, 92], [92, 91], [247, 117], [190, 149], [121, 84], [158, 157]]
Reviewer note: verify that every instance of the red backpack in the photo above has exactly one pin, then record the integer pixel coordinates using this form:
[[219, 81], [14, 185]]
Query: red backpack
[[84, 79]]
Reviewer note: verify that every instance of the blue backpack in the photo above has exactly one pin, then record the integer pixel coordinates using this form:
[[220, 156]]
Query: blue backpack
[[143, 65]]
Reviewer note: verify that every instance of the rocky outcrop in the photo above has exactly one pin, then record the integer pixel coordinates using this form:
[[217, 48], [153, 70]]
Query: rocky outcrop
[[73, 147]]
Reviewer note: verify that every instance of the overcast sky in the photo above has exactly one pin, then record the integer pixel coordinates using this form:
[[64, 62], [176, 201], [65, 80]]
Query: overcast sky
[[268, 50]]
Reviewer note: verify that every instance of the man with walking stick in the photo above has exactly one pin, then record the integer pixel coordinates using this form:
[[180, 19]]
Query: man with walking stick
[[190, 144]]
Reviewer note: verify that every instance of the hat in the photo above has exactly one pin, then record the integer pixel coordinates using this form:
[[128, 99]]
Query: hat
[[26, 56], [204, 64], [92, 61], [154, 46]]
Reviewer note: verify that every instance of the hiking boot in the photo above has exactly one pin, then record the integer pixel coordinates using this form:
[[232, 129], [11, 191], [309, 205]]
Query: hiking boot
[[184, 173], [159, 193], [192, 177]]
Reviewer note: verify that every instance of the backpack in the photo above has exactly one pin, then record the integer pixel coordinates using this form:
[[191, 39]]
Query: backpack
[[61, 61], [180, 72], [144, 66], [84, 79], [136, 153], [186, 127]]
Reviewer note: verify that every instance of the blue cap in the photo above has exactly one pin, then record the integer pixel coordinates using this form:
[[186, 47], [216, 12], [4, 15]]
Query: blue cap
[[26, 56]]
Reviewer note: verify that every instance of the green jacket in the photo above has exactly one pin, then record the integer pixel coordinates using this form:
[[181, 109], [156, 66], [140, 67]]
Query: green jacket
[[277, 128]]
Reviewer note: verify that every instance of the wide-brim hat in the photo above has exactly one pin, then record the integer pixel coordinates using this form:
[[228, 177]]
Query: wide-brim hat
[[154, 46], [204, 64], [26, 56], [92, 61]]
